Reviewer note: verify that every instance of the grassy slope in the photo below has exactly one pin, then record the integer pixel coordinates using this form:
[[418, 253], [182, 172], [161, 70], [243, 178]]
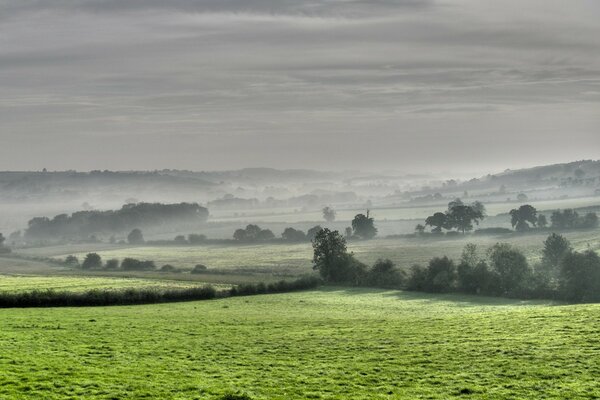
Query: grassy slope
[[340, 344]]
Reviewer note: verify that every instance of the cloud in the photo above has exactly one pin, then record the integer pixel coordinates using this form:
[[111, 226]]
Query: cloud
[[226, 76]]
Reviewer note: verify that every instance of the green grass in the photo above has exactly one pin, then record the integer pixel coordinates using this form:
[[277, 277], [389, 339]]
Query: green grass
[[23, 283], [289, 260], [328, 344]]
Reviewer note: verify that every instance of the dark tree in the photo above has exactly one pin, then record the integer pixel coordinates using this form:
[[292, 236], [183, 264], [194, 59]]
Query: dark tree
[[332, 260], [462, 217], [385, 274], [2, 240], [195, 238], [92, 261], [580, 276], [113, 263], [135, 237], [590, 221], [555, 248], [265, 234], [510, 265], [542, 222], [72, 260], [293, 235], [240, 235], [348, 232], [329, 214], [437, 221], [180, 239], [312, 232], [519, 218], [364, 226], [566, 219], [441, 275], [419, 229]]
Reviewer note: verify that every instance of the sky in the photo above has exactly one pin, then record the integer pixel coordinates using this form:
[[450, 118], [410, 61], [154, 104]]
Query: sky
[[407, 85]]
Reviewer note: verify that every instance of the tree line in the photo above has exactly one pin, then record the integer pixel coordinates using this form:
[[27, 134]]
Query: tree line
[[503, 270], [82, 224]]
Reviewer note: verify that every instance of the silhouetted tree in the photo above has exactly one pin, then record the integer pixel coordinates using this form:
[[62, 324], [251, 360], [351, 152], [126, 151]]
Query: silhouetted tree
[[385, 274], [364, 226], [566, 219], [293, 235], [556, 247], [113, 263], [312, 232], [92, 261], [135, 237], [348, 232], [521, 197], [180, 239], [419, 229], [329, 214], [437, 221], [462, 217], [580, 276], [542, 222], [195, 238], [519, 218], [441, 275], [2, 240], [510, 265], [332, 260]]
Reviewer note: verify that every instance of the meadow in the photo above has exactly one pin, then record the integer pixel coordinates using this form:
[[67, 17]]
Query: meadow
[[25, 283], [332, 343], [291, 260]]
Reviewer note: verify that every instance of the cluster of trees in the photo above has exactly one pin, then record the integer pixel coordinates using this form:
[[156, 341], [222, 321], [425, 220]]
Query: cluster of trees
[[94, 261], [85, 223], [458, 216], [336, 265], [253, 233], [502, 271], [3, 249], [526, 217], [296, 235]]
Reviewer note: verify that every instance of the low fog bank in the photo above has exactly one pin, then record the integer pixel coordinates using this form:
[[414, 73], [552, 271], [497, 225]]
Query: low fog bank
[[280, 198]]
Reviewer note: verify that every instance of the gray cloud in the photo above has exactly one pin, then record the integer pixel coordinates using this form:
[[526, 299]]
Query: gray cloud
[[216, 84]]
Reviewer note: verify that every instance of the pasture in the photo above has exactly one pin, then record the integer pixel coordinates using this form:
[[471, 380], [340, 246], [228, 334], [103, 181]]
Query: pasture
[[290, 260], [332, 343]]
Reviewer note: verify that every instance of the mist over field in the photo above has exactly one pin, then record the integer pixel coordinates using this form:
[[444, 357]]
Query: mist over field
[[277, 199]]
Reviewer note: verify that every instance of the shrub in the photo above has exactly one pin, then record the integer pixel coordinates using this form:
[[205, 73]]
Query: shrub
[[385, 274], [199, 269], [168, 268], [92, 261], [580, 276], [112, 264], [132, 264]]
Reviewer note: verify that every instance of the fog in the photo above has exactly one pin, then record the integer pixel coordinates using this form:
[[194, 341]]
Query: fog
[[441, 87]]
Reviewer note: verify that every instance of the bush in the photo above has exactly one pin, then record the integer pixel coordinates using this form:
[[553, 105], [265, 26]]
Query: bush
[[385, 274], [580, 276], [199, 269], [112, 264], [246, 289], [168, 268], [132, 264], [92, 261]]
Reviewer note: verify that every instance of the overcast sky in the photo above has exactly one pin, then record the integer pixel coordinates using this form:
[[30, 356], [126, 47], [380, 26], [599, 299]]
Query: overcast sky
[[464, 85]]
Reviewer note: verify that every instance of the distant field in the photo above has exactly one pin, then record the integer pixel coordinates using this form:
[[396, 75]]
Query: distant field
[[392, 213], [283, 260], [327, 344], [11, 283]]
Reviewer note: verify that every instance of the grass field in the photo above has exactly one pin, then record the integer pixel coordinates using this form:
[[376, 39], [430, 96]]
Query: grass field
[[328, 344], [288, 260], [23, 283]]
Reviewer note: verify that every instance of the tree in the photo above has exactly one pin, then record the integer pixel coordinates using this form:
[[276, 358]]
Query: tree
[[293, 235], [519, 218], [385, 274], [332, 260], [265, 234], [92, 261], [521, 197], [239, 234], [590, 220], [195, 238], [364, 226], [180, 239], [510, 265], [348, 232], [329, 214], [72, 260], [419, 229], [113, 263], [437, 221], [566, 219], [555, 248], [461, 216], [2, 240], [441, 275], [542, 222], [312, 232], [580, 276], [135, 237]]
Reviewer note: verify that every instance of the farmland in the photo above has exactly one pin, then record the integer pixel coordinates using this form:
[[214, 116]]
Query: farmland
[[330, 344], [289, 260]]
